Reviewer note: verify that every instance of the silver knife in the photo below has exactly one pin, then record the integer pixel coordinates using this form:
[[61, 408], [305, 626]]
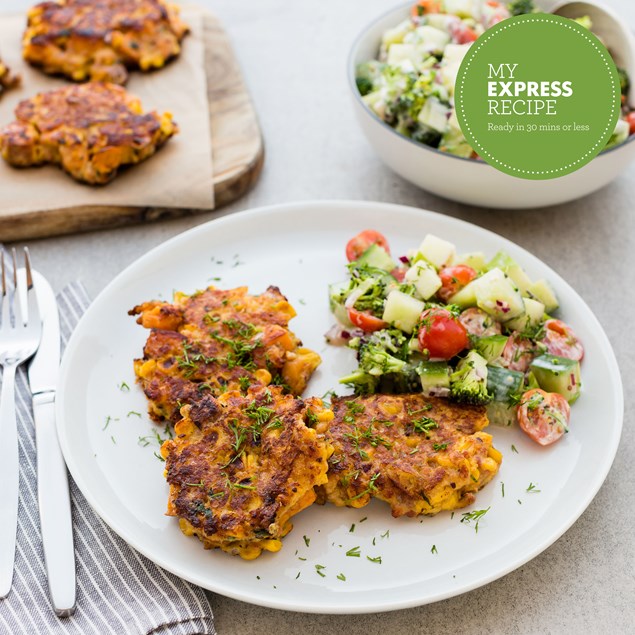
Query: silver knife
[[52, 478]]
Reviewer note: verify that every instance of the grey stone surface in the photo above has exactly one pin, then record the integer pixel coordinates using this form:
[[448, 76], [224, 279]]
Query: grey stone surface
[[293, 54]]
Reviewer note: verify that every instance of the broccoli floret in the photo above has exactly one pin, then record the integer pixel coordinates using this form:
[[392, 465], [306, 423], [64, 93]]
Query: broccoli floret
[[364, 85], [468, 383], [426, 135], [366, 75], [625, 82], [362, 383], [520, 7], [376, 361]]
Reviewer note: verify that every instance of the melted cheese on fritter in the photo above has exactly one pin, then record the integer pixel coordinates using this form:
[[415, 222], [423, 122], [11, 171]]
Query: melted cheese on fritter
[[421, 455], [100, 39], [89, 130], [216, 341], [241, 466]]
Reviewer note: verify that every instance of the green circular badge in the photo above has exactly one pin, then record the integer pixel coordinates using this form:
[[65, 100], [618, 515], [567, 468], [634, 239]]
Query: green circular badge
[[537, 96]]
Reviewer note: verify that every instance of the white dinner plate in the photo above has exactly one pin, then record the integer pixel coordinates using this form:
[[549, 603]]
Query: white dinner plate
[[300, 248]]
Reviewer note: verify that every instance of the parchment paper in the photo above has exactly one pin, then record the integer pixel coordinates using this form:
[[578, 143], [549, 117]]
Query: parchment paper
[[178, 175]]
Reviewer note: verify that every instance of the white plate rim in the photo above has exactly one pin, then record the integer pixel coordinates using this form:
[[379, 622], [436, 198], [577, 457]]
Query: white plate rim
[[372, 606]]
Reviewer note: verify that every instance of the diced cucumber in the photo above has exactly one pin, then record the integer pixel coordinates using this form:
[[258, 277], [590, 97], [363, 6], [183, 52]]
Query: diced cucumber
[[436, 251], [397, 33], [497, 295], [503, 385], [620, 134], [530, 382], [530, 319], [425, 279], [476, 260], [435, 378], [376, 256], [491, 347], [398, 53], [450, 64], [503, 261], [541, 290], [462, 8], [558, 374], [337, 297], [430, 38], [466, 297], [402, 310], [519, 278], [434, 114]]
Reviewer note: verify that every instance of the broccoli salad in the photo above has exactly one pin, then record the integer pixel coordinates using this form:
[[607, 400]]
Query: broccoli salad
[[411, 85], [459, 327]]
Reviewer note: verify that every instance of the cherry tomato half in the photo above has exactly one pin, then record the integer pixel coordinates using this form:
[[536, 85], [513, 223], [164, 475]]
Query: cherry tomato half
[[453, 279], [518, 353], [366, 321], [562, 341], [543, 416], [461, 33], [359, 244], [441, 334], [398, 274], [630, 119]]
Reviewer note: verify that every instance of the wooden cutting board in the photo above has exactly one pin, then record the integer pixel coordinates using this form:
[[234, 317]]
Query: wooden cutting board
[[237, 147]]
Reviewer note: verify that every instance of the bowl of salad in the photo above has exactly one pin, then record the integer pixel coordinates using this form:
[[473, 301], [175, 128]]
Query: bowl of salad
[[402, 70]]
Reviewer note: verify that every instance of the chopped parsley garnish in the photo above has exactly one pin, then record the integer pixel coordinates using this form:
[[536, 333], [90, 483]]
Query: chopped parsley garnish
[[354, 553], [297, 576], [199, 484], [514, 449], [307, 541], [503, 489], [532, 489], [363, 519], [341, 576], [352, 529], [371, 487], [424, 425], [476, 515], [434, 549], [425, 408], [439, 446], [134, 413], [386, 534], [123, 386], [319, 568], [376, 559]]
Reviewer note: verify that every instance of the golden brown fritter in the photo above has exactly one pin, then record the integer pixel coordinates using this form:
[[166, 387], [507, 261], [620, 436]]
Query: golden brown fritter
[[7, 78], [89, 130], [420, 454], [240, 466], [216, 341], [100, 40]]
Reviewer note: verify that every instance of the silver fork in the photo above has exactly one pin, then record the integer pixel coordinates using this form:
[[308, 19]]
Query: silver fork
[[18, 342]]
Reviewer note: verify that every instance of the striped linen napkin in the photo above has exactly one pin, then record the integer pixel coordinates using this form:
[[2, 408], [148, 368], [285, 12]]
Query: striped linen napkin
[[119, 591]]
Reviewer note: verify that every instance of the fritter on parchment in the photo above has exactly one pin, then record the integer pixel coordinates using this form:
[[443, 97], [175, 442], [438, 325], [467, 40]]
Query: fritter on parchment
[[420, 454], [215, 341], [7, 78], [242, 465], [90, 131], [100, 40]]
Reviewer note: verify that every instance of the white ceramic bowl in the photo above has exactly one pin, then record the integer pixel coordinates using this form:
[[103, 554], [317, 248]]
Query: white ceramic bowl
[[467, 180]]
